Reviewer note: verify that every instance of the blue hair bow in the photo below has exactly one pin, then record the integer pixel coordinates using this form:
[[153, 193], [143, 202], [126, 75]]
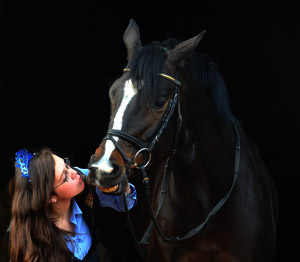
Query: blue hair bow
[[22, 161]]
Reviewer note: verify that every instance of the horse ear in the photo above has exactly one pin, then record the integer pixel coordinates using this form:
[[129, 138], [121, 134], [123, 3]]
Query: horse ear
[[179, 52], [132, 39]]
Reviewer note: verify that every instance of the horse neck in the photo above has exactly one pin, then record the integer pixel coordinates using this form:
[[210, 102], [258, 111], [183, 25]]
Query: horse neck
[[204, 163]]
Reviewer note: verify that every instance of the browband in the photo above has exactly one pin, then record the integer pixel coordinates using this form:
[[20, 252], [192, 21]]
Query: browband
[[172, 79]]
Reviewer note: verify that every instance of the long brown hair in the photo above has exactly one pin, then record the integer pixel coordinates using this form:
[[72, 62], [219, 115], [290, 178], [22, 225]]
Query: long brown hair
[[34, 236]]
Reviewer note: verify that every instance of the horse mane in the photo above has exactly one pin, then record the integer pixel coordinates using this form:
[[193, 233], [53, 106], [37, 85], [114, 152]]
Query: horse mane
[[147, 64]]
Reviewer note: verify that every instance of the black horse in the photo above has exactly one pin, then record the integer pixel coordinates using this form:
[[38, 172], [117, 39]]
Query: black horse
[[211, 196]]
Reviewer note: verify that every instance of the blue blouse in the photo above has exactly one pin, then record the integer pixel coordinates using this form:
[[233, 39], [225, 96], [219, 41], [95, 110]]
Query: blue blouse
[[80, 243]]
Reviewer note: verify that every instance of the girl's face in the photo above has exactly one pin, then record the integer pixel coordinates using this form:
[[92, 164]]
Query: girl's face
[[67, 182]]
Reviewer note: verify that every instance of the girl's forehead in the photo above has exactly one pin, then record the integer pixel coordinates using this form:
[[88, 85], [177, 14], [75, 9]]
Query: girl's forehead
[[59, 164]]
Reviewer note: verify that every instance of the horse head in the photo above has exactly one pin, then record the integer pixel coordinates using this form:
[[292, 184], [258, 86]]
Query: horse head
[[143, 101]]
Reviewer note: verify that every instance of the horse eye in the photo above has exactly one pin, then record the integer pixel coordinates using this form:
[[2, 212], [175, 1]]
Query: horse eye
[[159, 103]]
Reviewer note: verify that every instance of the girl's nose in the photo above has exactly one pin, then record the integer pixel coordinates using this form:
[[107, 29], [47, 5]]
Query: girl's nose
[[73, 174]]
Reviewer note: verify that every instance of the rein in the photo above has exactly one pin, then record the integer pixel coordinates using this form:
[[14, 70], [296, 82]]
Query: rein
[[168, 171]]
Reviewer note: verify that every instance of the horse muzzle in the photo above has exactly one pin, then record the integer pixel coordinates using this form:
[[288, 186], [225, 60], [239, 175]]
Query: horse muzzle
[[110, 179]]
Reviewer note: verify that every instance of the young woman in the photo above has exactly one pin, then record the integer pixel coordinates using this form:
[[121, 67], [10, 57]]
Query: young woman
[[54, 213]]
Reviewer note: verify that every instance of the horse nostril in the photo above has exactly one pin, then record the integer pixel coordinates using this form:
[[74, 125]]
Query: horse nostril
[[112, 170], [117, 169], [115, 172], [93, 169], [102, 166]]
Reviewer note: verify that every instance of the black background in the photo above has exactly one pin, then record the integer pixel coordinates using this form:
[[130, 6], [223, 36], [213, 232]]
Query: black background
[[58, 59]]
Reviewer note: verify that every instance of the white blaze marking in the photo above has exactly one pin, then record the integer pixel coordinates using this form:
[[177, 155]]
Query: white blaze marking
[[128, 93]]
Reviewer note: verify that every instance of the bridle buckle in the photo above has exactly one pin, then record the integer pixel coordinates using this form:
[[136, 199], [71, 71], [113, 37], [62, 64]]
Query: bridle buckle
[[136, 155]]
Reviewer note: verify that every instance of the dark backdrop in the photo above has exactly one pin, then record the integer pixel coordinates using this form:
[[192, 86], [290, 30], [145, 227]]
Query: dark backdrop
[[58, 59]]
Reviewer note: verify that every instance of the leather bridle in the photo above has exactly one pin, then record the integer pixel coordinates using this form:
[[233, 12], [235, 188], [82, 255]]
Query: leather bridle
[[146, 148], [146, 151]]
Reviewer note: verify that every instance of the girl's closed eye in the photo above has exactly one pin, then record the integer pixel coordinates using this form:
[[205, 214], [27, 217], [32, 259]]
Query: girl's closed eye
[[66, 176]]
